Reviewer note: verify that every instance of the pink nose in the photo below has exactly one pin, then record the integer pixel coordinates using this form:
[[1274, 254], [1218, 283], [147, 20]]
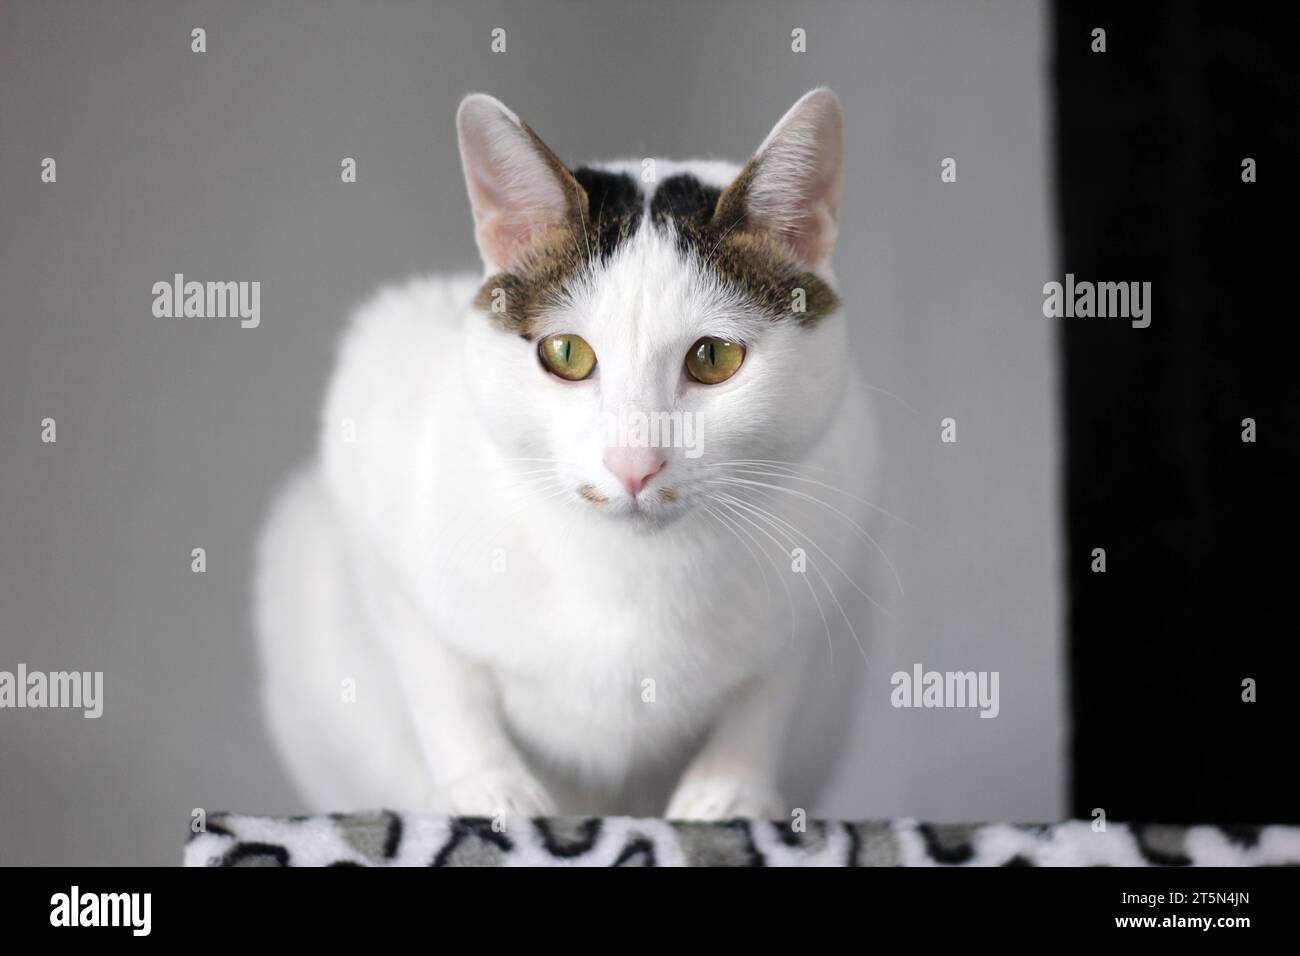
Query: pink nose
[[634, 466]]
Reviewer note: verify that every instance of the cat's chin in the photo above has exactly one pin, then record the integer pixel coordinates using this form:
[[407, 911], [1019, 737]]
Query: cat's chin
[[649, 522], [641, 518]]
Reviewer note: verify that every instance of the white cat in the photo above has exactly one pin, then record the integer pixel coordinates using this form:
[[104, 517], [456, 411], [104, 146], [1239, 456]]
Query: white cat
[[493, 594]]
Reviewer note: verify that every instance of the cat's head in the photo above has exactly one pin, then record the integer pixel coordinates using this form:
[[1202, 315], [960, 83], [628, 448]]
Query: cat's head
[[645, 322]]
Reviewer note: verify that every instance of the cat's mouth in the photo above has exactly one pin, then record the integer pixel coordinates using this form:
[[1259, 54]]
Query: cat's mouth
[[592, 494], [655, 506]]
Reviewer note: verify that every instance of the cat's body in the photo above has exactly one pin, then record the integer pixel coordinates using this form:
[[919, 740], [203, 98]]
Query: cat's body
[[459, 610]]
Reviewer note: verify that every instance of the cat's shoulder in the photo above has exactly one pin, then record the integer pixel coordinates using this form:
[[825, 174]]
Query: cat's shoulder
[[400, 321], [423, 301], [385, 351]]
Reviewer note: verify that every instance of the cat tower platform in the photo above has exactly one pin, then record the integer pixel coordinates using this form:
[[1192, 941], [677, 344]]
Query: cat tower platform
[[383, 838]]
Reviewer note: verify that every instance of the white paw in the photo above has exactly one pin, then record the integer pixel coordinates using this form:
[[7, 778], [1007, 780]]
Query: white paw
[[494, 792], [724, 798]]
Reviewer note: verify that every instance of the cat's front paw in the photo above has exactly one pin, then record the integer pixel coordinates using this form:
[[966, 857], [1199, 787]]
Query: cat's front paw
[[494, 792], [724, 798]]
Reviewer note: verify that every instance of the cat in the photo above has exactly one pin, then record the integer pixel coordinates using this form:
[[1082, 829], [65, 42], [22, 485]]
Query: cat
[[490, 594]]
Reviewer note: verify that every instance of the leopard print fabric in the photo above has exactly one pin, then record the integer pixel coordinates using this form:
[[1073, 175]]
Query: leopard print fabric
[[384, 838]]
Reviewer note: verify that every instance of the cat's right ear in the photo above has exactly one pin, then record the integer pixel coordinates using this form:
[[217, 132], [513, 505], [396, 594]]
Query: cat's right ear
[[518, 189]]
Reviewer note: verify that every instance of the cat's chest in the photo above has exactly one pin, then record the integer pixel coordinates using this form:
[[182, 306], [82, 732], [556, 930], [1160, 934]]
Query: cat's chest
[[618, 683], [580, 627], [592, 629], [618, 655]]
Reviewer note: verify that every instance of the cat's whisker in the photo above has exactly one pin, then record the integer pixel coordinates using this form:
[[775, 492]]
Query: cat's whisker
[[764, 515], [822, 484], [807, 537], [751, 545], [767, 587], [526, 476], [780, 547], [898, 398], [780, 576], [724, 479], [532, 470], [726, 232], [519, 492], [771, 499], [749, 548], [776, 462], [791, 471], [792, 467], [585, 237]]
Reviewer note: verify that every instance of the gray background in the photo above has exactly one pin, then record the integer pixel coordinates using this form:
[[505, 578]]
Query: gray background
[[172, 434]]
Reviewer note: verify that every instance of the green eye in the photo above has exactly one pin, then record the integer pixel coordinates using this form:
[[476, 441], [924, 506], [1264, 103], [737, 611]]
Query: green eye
[[713, 360], [567, 355]]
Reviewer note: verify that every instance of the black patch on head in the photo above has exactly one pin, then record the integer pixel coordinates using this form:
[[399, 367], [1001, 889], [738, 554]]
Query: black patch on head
[[683, 198], [614, 203]]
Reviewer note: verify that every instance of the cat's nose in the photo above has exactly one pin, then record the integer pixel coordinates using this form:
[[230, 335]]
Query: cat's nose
[[634, 466]]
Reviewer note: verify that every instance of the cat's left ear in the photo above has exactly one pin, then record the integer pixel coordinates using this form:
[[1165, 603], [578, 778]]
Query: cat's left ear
[[791, 188]]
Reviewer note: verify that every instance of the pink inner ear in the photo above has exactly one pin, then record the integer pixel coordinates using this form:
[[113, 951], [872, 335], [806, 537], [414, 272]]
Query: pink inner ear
[[798, 201], [502, 240], [507, 219], [795, 188], [815, 238], [513, 186]]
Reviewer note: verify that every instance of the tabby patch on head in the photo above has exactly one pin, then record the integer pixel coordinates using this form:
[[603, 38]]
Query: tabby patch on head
[[540, 226]]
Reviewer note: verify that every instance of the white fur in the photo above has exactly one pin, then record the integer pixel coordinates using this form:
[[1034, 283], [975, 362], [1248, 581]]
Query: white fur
[[498, 629]]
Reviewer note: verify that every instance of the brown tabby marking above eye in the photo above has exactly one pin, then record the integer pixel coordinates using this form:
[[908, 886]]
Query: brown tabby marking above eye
[[516, 300], [712, 224]]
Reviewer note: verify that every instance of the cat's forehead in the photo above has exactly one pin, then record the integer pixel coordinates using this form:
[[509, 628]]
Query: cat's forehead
[[648, 291], [654, 227]]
